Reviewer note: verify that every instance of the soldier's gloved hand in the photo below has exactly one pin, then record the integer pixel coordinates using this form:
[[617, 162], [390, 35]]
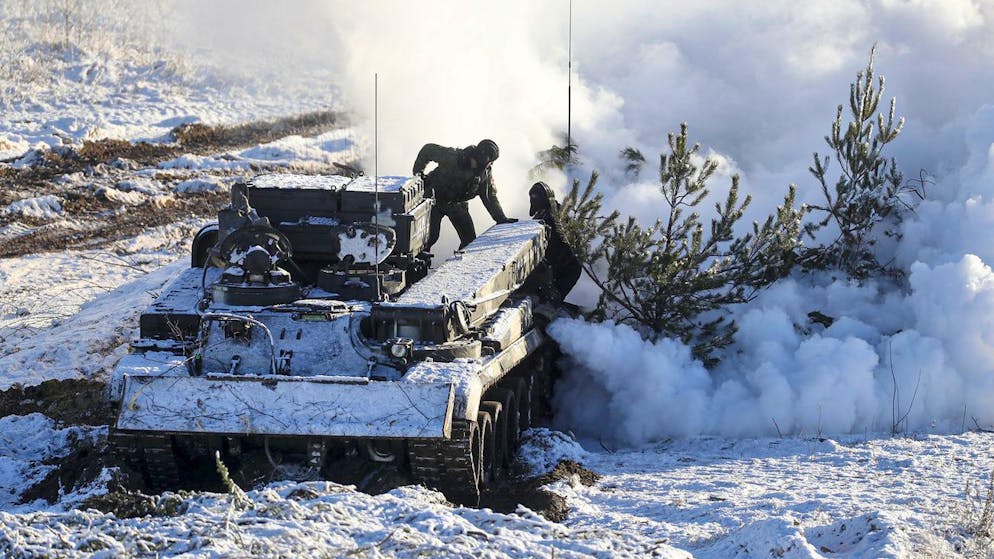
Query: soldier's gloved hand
[[508, 220]]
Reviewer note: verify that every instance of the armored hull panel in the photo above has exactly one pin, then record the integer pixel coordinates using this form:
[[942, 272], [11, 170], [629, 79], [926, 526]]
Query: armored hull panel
[[398, 195], [499, 259], [174, 313], [286, 406], [411, 227], [466, 288], [283, 197], [290, 197]]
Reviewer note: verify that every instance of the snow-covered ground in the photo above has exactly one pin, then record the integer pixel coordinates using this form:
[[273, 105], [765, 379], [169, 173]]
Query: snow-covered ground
[[664, 489], [864, 496], [791, 497], [72, 314], [91, 95]]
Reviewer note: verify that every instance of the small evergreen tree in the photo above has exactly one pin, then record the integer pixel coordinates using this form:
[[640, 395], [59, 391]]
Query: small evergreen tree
[[867, 190], [677, 277]]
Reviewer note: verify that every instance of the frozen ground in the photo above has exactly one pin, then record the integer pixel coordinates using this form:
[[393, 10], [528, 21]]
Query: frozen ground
[[91, 95], [87, 240], [66, 314], [866, 496]]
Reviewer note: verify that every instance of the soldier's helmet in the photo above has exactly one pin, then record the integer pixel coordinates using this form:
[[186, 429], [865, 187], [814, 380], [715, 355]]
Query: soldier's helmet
[[541, 197], [488, 150]]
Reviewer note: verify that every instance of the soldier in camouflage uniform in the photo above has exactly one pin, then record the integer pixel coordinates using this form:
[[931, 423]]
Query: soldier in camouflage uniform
[[561, 269], [461, 175]]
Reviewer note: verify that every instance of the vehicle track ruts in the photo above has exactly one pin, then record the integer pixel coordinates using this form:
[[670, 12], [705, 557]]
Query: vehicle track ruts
[[89, 222]]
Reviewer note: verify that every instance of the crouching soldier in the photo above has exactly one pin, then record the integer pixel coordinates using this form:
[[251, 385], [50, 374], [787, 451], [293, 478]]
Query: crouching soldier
[[561, 270], [461, 175]]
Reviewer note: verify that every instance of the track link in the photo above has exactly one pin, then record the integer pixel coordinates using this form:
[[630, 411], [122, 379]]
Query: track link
[[151, 455], [450, 466]]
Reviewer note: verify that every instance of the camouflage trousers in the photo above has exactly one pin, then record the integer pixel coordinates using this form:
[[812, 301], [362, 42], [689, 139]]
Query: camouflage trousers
[[458, 214]]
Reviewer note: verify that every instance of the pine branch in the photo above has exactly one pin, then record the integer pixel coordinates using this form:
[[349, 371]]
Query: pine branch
[[865, 200], [665, 277]]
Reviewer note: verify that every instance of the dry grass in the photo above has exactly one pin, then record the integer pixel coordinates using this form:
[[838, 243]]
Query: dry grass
[[972, 521]]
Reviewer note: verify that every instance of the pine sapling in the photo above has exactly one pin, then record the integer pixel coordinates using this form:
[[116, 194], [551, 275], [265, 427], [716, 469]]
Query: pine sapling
[[866, 192], [677, 277]]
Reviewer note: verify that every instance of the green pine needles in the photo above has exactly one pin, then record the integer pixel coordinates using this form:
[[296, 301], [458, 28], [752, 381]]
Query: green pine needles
[[866, 193], [678, 276]]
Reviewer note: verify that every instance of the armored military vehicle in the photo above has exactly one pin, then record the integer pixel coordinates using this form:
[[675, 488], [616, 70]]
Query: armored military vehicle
[[311, 324]]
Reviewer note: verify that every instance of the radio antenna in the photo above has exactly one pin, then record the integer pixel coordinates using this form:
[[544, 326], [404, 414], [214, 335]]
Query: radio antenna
[[569, 80], [376, 187]]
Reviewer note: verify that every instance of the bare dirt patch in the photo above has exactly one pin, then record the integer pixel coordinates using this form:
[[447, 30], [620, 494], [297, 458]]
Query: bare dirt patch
[[505, 495], [67, 402], [200, 136], [106, 150]]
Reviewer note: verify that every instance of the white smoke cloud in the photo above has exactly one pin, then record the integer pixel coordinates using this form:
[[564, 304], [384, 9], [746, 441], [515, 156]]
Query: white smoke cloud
[[758, 84], [762, 95], [917, 362], [454, 73]]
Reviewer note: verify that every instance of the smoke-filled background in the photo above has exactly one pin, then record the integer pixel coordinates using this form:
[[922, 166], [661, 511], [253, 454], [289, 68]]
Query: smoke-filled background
[[758, 84]]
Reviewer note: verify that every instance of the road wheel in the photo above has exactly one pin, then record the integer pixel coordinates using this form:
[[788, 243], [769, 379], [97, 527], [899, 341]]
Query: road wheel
[[523, 395], [510, 423], [485, 453], [497, 417]]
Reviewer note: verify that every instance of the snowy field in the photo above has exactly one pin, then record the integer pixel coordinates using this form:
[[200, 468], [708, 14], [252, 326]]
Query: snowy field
[[867, 495], [870, 437]]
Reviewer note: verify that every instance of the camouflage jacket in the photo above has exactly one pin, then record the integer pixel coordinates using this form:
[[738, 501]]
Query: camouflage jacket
[[453, 181], [565, 265]]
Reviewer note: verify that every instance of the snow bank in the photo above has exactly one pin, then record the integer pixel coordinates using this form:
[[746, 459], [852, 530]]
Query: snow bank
[[871, 535], [128, 198], [40, 207], [335, 146], [542, 449], [892, 497], [142, 185], [26, 441], [199, 162], [303, 519], [202, 184], [84, 345], [72, 314]]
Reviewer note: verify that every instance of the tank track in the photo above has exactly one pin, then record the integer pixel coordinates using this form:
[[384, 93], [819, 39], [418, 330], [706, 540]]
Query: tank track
[[460, 467], [450, 465], [150, 455]]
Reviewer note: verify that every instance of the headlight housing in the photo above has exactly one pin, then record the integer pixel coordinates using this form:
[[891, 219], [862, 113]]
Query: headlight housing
[[400, 348]]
